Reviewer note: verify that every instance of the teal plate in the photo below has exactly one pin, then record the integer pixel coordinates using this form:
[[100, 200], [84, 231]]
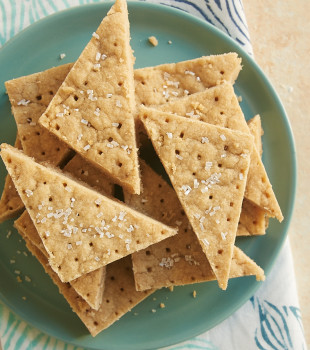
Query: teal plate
[[38, 48]]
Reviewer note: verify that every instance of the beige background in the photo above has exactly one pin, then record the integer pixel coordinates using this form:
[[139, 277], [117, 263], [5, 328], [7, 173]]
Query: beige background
[[280, 33]]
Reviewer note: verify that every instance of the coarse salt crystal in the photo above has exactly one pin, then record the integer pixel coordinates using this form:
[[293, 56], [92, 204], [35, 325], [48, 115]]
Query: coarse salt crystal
[[166, 262], [205, 242], [187, 189], [23, 102], [97, 112], [130, 228], [204, 140], [118, 103], [208, 165], [69, 246], [78, 243], [109, 95], [189, 72], [178, 157], [116, 125], [84, 121], [29, 193], [169, 134], [95, 35], [98, 56], [205, 189], [98, 201], [240, 176], [62, 56], [86, 148], [224, 234], [192, 115], [196, 183], [122, 214], [223, 137], [114, 143], [97, 258]]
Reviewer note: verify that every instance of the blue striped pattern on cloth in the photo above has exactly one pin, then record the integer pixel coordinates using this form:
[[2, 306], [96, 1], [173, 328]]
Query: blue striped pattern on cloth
[[17, 334], [227, 15]]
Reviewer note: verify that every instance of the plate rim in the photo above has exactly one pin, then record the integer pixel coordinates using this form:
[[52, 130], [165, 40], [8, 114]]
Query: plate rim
[[241, 52]]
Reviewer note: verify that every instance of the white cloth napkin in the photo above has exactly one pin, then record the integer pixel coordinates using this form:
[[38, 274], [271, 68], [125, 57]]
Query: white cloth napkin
[[271, 319]]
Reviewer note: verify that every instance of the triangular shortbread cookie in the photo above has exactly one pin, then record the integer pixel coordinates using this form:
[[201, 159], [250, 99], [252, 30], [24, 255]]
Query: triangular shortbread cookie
[[255, 126], [81, 229], [89, 286], [219, 106], [159, 84], [93, 110], [177, 260], [253, 219], [119, 296], [10, 203], [29, 96], [208, 167]]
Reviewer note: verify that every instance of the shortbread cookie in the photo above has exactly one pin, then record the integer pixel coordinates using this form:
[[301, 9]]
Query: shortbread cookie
[[176, 260], [29, 96], [208, 167], [93, 110], [252, 221], [81, 229], [89, 286], [10, 203], [159, 84], [219, 106], [92, 176], [119, 296], [81, 170], [255, 126]]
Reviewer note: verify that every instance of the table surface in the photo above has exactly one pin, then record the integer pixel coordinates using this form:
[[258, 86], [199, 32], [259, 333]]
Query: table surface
[[281, 47]]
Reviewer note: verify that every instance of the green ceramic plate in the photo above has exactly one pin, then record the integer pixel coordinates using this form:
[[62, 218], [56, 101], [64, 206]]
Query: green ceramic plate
[[38, 48]]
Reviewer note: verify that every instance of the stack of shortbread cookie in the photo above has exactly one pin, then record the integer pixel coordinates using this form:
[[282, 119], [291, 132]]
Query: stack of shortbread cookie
[[78, 129]]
